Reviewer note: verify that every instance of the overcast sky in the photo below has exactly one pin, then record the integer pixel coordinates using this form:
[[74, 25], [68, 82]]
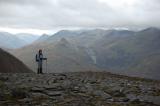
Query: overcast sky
[[46, 16]]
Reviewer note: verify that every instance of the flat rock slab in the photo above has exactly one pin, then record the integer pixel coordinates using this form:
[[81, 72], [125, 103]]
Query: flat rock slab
[[53, 93], [53, 86], [37, 89]]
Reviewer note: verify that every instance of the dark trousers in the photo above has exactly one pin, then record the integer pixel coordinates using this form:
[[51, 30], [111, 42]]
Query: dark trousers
[[39, 67], [39, 71]]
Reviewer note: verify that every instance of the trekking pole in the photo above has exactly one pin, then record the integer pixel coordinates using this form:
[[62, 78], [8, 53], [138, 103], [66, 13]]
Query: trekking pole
[[46, 66]]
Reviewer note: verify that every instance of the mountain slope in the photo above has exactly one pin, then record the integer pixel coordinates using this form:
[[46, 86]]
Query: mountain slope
[[9, 64], [138, 54], [62, 56], [87, 38], [78, 37]]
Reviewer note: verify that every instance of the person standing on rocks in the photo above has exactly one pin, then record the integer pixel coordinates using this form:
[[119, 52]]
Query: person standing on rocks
[[39, 60]]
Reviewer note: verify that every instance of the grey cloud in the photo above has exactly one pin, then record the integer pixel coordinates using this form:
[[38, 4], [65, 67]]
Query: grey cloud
[[49, 14]]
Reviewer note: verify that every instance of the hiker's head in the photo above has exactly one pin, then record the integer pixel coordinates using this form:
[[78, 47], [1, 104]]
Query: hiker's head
[[40, 51]]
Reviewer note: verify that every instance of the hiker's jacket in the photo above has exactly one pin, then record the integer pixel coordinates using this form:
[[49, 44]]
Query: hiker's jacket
[[40, 58]]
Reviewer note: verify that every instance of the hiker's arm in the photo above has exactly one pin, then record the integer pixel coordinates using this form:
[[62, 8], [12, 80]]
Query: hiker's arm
[[44, 58]]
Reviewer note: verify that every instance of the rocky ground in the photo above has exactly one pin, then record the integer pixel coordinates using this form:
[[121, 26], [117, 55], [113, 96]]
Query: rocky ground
[[77, 89]]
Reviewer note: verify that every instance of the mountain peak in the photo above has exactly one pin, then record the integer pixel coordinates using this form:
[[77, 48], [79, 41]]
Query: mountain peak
[[44, 35], [63, 41], [42, 38], [151, 29]]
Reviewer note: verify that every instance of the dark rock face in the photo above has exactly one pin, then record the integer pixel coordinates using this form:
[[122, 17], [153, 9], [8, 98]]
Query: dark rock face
[[10, 64], [77, 89]]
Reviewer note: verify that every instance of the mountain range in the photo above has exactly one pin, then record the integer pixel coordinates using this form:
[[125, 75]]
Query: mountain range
[[13, 41], [133, 53], [27, 38], [137, 54]]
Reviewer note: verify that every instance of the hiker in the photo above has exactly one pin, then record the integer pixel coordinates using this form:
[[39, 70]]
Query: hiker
[[39, 60]]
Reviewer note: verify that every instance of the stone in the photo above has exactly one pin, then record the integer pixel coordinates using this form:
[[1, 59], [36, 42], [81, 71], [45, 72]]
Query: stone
[[25, 100], [53, 93], [19, 93], [2, 97], [118, 93], [111, 100], [89, 88], [37, 89], [4, 78], [52, 86], [121, 100], [44, 104], [102, 94], [66, 84], [39, 95], [76, 89]]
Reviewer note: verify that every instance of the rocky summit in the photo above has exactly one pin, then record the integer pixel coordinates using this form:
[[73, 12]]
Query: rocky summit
[[77, 89]]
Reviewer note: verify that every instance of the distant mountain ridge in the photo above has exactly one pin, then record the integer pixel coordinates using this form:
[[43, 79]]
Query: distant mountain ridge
[[9, 41], [134, 53], [27, 38], [13, 41]]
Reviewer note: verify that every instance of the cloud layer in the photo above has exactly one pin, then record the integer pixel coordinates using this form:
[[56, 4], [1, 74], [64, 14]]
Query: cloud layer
[[50, 14]]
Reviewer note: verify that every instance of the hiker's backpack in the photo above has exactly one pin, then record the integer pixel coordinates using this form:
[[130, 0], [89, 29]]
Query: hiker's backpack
[[37, 59]]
